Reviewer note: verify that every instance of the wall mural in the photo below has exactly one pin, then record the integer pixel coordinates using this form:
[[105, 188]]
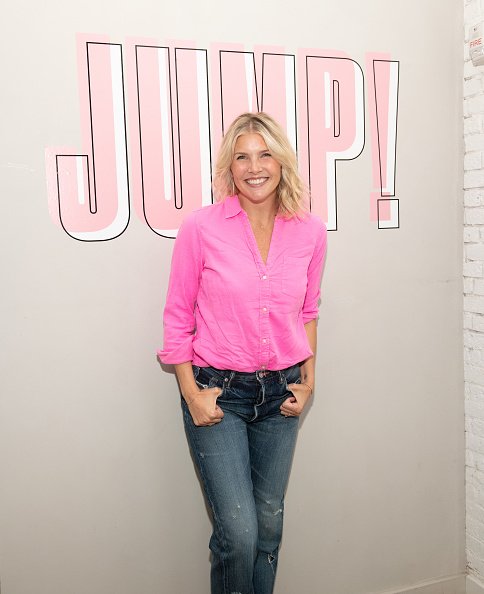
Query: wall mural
[[152, 117]]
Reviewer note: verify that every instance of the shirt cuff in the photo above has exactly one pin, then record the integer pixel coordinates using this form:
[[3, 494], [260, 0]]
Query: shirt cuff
[[308, 316], [179, 354]]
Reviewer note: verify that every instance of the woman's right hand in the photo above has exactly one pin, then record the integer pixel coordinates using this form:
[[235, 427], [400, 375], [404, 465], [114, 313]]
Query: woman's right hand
[[204, 408]]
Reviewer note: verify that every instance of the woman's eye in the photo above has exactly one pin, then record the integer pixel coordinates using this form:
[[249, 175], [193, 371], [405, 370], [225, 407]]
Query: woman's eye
[[239, 157], [267, 155]]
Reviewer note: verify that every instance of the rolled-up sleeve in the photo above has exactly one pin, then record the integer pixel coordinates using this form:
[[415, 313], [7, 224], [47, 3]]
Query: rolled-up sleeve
[[179, 312], [315, 270]]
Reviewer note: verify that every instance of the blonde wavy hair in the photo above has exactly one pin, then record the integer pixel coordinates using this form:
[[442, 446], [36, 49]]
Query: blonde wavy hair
[[292, 194]]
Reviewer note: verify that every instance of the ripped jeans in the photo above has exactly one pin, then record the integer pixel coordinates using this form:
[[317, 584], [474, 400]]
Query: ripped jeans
[[244, 463]]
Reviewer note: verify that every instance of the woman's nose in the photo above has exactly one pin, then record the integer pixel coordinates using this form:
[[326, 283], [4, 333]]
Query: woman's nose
[[255, 165]]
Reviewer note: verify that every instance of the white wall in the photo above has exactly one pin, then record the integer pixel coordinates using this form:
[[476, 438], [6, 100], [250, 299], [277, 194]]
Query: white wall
[[98, 492], [474, 300]]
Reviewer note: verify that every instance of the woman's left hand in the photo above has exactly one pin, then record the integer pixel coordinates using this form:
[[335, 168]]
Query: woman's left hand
[[294, 405]]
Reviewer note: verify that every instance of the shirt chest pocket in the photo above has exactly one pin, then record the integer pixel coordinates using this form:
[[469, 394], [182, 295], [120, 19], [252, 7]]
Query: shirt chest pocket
[[295, 277]]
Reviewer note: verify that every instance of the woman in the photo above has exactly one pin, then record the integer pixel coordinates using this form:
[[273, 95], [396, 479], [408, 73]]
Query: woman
[[240, 328]]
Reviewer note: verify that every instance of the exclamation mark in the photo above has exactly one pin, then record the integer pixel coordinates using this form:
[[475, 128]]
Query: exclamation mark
[[383, 77]]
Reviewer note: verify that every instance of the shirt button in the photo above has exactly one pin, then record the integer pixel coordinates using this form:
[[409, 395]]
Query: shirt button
[[264, 277], [264, 340], [264, 309]]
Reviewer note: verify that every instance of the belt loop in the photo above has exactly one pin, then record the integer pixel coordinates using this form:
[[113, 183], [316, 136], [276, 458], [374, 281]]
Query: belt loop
[[231, 377], [282, 377]]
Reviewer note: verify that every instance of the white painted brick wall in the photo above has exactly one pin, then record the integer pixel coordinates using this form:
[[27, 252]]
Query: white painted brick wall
[[473, 287]]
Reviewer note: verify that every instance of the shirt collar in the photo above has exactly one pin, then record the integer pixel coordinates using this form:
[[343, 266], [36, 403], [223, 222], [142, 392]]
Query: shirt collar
[[232, 206]]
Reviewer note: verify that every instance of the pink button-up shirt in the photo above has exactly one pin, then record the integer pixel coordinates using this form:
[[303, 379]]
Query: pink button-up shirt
[[225, 307]]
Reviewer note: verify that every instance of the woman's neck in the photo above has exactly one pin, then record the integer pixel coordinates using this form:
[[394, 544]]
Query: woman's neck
[[260, 214]]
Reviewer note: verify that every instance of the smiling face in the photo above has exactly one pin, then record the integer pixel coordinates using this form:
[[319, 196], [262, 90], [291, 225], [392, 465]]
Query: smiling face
[[256, 173]]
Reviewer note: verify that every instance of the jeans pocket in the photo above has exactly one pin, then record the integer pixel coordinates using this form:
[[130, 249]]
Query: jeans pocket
[[292, 375], [196, 373], [208, 378]]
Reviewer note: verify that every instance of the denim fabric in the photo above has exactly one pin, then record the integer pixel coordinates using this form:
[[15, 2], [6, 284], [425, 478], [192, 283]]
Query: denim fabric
[[244, 463]]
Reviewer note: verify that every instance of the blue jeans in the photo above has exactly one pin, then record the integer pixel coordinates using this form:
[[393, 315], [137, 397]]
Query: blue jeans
[[244, 463]]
